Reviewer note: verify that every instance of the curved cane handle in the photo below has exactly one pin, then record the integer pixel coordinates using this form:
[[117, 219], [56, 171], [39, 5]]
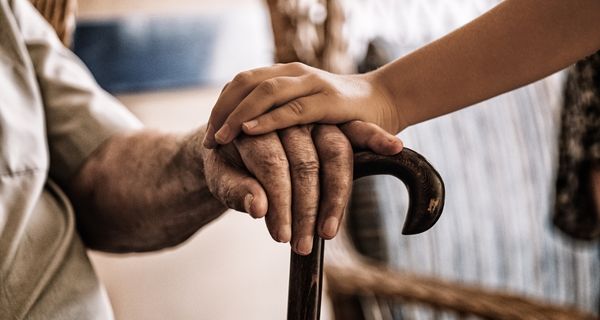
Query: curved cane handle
[[426, 195], [424, 184]]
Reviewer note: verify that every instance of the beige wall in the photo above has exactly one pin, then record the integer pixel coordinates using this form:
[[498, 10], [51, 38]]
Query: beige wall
[[111, 8]]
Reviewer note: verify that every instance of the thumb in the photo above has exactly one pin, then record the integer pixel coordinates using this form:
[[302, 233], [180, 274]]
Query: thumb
[[365, 135], [237, 190]]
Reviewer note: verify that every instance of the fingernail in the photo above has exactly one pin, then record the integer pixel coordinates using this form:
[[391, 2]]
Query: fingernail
[[330, 227], [249, 125], [248, 199], [207, 142], [304, 245], [222, 136], [284, 234]]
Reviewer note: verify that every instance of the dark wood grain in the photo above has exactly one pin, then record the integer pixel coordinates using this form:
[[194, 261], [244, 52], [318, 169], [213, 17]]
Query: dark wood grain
[[306, 279], [426, 202], [424, 184]]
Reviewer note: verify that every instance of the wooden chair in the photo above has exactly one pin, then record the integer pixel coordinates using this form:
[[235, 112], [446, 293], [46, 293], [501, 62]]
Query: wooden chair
[[61, 16], [349, 275], [355, 282]]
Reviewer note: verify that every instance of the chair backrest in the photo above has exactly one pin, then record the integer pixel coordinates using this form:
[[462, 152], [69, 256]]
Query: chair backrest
[[60, 14], [310, 34]]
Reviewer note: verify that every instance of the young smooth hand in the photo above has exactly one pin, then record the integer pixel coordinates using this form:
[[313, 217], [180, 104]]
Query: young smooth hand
[[511, 45], [271, 98]]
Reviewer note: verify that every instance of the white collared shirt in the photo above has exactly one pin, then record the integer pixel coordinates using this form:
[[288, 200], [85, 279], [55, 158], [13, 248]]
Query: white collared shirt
[[52, 116]]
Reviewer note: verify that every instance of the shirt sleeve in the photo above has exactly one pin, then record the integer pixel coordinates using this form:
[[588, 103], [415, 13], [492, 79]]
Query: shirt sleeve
[[79, 114]]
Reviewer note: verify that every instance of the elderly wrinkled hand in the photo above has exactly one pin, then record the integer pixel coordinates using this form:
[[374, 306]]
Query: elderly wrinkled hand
[[298, 179]]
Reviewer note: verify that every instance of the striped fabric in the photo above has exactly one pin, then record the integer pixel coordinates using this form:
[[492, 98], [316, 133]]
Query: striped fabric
[[498, 160]]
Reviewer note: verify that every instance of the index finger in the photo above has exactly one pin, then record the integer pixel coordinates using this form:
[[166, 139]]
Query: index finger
[[235, 91], [265, 158]]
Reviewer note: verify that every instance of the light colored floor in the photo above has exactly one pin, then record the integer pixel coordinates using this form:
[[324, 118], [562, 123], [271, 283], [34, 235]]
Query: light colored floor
[[231, 269]]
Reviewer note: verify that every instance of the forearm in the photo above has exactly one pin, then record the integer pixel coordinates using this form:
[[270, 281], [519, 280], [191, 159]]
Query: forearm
[[142, 192], [516, 43]]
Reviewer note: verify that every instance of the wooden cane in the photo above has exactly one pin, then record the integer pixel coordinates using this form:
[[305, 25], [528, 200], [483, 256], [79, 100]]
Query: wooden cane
[[426, 202]]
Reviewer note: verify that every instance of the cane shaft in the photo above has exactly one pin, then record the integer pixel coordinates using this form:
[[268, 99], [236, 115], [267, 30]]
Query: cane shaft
[[306, 279], [426, 202]]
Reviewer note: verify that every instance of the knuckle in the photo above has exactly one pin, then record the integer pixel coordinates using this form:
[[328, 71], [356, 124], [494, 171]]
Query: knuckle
[[242, 79], [335, 204], [227, 196], [273, 162], [314, 77], [338, 201], [297, 138], [268, 87], [374, 140], [296, 107], [354, 126], [295, 135], [263, 144], [256, 146], [225, 87], [335, 149], [273, 117], [298, 66], [306, 168], [306, 220]]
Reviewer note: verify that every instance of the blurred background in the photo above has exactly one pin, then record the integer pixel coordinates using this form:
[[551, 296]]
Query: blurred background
[[167, 61]]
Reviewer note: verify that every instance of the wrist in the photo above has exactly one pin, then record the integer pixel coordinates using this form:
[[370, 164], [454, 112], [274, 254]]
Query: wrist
[[391, 113], [189, 162]]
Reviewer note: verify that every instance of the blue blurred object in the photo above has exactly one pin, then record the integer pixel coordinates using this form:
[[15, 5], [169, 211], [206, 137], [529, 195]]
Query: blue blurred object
[[143, 53]]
